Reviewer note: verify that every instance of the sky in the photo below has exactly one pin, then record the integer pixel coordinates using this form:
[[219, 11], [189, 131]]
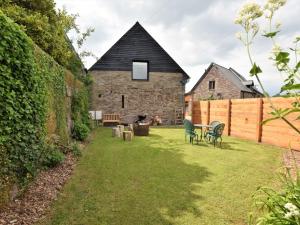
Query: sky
[[194, 32]]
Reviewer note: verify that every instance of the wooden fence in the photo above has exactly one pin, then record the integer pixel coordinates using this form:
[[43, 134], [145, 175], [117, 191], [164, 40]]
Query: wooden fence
[[243, 118]]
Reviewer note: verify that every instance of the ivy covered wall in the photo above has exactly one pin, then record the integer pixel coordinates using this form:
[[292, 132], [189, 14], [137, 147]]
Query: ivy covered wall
[[36, 96]]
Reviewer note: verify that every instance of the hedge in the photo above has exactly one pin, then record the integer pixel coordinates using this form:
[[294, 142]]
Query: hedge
[[34, 105]]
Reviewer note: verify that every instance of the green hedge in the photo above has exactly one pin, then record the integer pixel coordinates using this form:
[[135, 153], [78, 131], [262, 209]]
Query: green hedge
[[33, 103], [54, 77], [23, 101]]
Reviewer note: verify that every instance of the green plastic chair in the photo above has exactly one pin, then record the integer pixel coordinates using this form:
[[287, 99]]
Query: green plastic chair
[[190, 131], [215, 134], [212, 124]]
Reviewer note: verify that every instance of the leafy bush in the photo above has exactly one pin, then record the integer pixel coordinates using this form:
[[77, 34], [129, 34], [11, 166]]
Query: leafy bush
[[47, 26], [5, 178], [33, 103], [87, 80], [76, 150], [53, 157], [80, 131], [55, 92], [80, 106], [23, 101], [283, 207]]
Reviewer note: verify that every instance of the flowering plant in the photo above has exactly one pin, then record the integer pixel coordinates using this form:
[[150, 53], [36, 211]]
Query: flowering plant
[[283, 207], [247, 19]]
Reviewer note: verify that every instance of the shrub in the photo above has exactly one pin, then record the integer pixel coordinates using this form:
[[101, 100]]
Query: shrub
[[23, 101], [5, 178], [76, 150], [80, 131], [283, 207], [80, 106], [53, 157], [33, 106]]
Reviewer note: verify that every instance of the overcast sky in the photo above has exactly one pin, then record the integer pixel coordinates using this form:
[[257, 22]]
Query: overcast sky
[[194, 32]]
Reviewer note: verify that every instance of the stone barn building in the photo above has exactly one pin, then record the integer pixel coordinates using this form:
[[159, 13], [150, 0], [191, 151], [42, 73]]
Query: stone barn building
[[218, 82], [136, 76]]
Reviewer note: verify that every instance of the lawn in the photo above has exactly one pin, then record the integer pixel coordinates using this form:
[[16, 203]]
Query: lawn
[[160, 179]]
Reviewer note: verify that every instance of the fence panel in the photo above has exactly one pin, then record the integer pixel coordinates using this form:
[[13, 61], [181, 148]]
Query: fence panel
[[219, 111], [204, 105], [243, 118], [278, 132], [196, 112]]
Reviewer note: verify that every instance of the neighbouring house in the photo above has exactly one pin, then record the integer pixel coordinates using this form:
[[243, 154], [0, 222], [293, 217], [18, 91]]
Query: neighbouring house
[[136, 76], [218, 82]]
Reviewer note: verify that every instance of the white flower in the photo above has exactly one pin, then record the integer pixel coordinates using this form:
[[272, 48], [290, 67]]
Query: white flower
[[296, 212], [290, 206], [249, 12], [288, 215], [247, 16], [274, 5], [292, 210]]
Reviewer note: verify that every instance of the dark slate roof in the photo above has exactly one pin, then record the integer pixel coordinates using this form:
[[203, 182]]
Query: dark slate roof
[[137, 44], [230, 74]]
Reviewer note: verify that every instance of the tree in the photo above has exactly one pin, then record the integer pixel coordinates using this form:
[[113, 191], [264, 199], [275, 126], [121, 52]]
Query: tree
[[48, 28]]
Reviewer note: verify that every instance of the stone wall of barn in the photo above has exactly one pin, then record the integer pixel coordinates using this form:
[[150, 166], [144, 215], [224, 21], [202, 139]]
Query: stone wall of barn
[[159, 96]]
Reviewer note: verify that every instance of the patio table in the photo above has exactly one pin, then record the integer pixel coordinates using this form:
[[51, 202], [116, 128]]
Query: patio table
[[201, 126]]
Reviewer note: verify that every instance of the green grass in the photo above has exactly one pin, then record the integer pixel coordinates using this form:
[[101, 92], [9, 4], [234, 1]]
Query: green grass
[[160, 179]]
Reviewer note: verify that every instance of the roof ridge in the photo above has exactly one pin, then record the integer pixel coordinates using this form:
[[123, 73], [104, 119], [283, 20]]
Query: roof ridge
[[137, 23], [216, 64], [240, 76]]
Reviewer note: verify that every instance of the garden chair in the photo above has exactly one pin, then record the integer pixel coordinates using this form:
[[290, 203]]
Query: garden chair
[[190, 131], [215, 134], [212, 124]]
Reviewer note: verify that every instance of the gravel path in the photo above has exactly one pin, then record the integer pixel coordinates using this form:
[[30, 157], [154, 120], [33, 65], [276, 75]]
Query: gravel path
[[291, 160]]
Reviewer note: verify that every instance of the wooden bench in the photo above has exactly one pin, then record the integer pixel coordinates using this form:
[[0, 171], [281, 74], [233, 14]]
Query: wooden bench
[[111, 119]]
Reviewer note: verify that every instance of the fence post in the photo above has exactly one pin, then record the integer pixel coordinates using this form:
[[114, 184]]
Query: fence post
[[191, 108], [208, 112], [259, 119], [200, 113], [228, 116]]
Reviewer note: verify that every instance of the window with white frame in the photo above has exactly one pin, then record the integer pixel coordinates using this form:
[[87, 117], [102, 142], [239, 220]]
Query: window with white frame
[[140, 70]]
